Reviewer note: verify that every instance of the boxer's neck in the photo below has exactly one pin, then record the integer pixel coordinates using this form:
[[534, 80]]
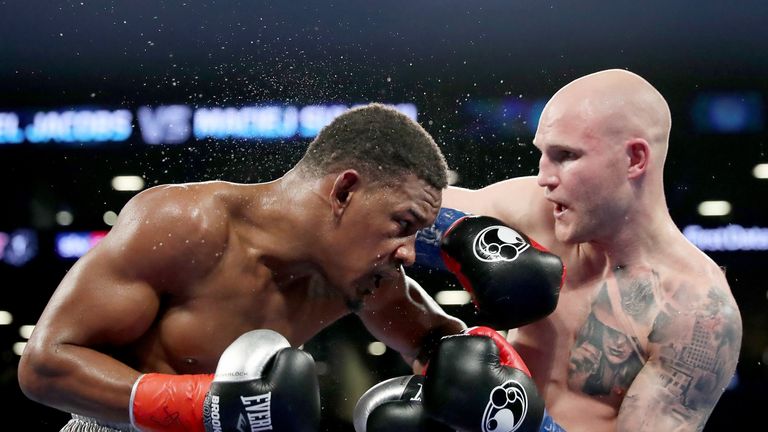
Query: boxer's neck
[[284, 225], [645, 232]]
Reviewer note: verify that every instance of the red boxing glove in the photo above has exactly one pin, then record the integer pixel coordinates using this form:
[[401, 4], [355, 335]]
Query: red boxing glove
[[507, 354]]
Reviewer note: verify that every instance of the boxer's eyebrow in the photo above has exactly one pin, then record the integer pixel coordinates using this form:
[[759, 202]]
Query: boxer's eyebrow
[[420, 218], [560, 147]]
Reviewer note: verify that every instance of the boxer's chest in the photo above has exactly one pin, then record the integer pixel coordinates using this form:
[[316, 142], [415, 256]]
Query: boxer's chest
[[191, 332], [595, 342]]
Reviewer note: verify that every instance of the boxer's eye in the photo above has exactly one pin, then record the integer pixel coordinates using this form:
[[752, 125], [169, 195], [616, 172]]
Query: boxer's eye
[[407, 227], [559, 154], [566, 155]]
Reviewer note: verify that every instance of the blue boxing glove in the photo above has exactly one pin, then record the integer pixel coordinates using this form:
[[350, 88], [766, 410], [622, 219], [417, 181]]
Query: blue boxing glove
[[548, 424], [428, 239]]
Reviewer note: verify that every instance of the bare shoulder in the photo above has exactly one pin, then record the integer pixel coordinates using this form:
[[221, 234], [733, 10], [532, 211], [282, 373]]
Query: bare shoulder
[[696, 296], [695, 286], [171, 226], [694, 344]]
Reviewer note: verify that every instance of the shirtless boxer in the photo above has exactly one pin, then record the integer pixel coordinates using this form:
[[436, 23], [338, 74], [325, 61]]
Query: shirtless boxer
[[189, 268], [646, 333]]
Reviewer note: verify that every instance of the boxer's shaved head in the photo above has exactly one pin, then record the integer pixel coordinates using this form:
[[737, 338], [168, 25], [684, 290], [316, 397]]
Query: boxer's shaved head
[[619, 104]]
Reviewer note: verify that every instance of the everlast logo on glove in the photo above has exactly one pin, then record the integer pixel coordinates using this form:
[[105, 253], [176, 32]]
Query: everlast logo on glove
[[257, 412], [506, 409], [499, 243], [277, 389]]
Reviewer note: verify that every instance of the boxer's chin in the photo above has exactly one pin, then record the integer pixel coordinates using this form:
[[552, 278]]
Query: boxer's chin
[[355, 305], [363, 288]]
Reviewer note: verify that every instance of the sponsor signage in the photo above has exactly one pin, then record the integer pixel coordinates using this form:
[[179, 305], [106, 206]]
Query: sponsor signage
[[170, 124]]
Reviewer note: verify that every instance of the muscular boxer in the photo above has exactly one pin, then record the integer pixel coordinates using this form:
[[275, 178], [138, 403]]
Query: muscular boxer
[[136, 327], [646, 333]]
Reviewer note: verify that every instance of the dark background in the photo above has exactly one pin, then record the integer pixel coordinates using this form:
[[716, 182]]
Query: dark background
[[443, 56]]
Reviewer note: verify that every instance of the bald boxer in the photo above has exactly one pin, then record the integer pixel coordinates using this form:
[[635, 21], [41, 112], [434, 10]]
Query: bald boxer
[[135, 330], [646, 333]]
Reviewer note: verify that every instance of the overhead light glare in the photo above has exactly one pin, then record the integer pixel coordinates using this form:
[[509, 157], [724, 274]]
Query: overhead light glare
[[5, 317], [760, 171], [454, 297], [714, 208], [376, 348], [127, 183]]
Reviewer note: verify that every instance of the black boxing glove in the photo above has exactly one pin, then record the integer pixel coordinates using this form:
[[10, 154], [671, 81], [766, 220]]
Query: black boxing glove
[[512, 279], [394, 405], [262, 384], [477, 382]]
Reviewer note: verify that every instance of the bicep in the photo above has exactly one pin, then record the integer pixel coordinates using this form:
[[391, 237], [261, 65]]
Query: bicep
[[112, 295], [98, 304], [662, 399], [680, 385], [95, 308], [518, 202]]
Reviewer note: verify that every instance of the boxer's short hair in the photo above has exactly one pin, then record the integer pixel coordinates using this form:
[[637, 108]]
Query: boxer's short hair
[[381, 143]]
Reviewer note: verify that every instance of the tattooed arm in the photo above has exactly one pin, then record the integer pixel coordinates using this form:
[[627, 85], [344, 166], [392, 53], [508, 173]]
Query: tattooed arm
[[695, 350]]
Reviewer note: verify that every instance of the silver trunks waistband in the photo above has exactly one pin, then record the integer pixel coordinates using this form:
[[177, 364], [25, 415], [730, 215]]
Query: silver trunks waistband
[[87, 424]]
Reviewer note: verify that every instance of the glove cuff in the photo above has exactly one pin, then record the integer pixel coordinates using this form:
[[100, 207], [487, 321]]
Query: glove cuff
[[169, 403], [428, 239], [508, 355]]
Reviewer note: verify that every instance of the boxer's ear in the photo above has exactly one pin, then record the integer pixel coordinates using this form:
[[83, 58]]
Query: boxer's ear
[[639, 155], [345, 185]]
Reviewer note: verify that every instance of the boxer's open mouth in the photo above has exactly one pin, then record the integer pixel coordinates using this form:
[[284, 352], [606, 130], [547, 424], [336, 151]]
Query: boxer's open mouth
[[560, 209]]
